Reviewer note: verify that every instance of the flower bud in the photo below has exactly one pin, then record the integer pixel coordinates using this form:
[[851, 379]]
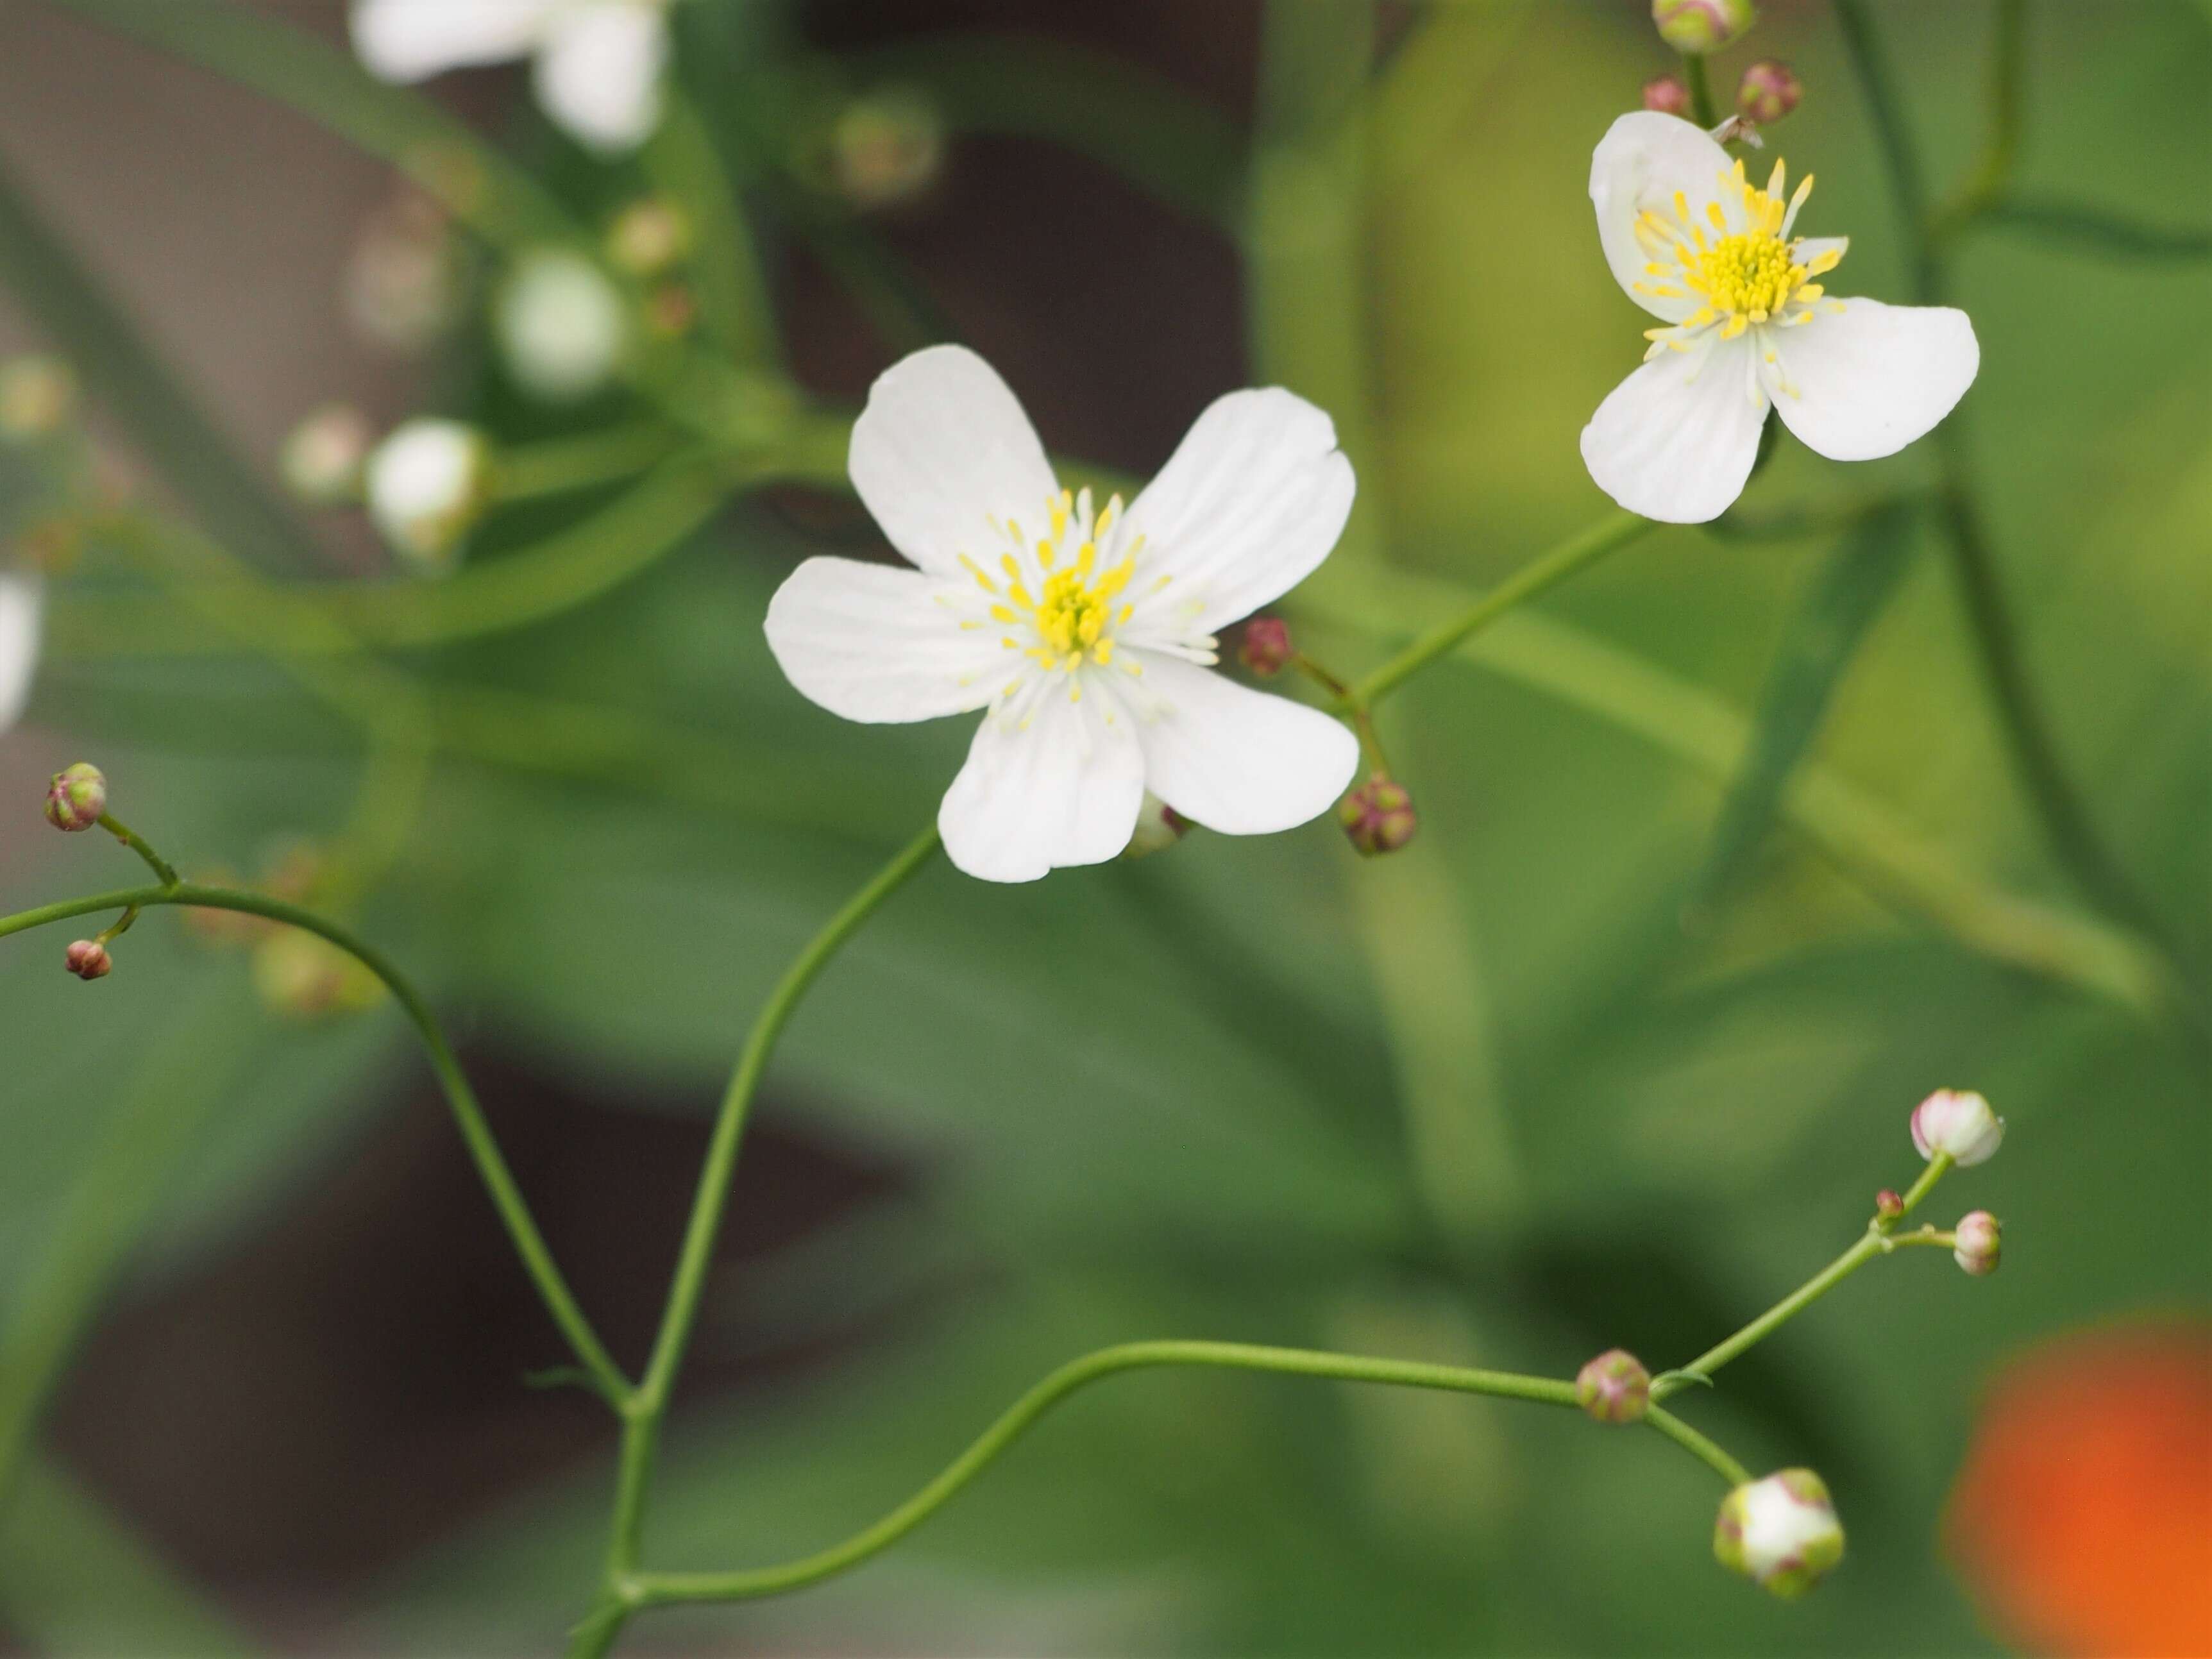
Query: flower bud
[[77, 797], [1699, 26], [1957, 1122], [37, 395], [1977, 1242], [404, 281], [1266, 648], [1667, 95], [648, 237], [1613, 1387], [1158, 826], [886, 149], [321, 460], [88, 959], [560, 324], [1888, 1205], [1769, 89], [1378, 816], [426, 483], [1781, 1533]]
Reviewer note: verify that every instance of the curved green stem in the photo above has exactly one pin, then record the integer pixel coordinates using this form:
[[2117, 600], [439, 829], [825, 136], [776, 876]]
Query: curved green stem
[[1547, 570], [131, 839], [644, 1409], [555, 465], [1698, 1445], [1699, 79], [1875, 1242], [491, 1165]]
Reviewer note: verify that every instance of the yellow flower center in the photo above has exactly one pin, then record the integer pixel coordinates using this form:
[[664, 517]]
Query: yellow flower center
[[1072, 616], [1740, 277]]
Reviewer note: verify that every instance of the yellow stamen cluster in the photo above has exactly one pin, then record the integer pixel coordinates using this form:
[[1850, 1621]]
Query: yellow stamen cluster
[[1741, 277], [1074, 616]]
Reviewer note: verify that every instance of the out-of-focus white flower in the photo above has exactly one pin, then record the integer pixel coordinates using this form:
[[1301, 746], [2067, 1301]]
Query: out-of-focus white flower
[[597, 63], [426, 483], [1781, 1532], [322, 457], [1958, 1122], [1712, 257], [1086, 634], [22, 605], [560, 324]]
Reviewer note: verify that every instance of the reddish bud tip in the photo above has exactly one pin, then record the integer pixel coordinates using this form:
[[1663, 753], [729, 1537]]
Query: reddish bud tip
[[1266, 649], [1769, 89], [1378, 816], [1887, 1206], [1667, 95], [88, 959]]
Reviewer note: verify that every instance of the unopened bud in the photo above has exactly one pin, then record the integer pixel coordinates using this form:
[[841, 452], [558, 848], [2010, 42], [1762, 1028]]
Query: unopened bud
[[404, 283], [1781, 1533], [321, 460], [560, 324], [1958, 1122], [1976, 1241], [1769, 89], [1266, 648], [1667, 95], [1613, 1387], [1888, 1205], [1378, 816], [37, 395], [886, 149], [426, 483], [88, 959], [648, 237], [77, 797], [1699, 26], [1158, 826]]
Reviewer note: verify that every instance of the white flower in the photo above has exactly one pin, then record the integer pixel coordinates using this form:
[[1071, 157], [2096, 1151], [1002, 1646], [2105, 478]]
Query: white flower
[[22, 602], [1088, 636], [598, 63], [426, 483], [560, 325], [1959, 1123], [1780, 1532], [1712, 257]]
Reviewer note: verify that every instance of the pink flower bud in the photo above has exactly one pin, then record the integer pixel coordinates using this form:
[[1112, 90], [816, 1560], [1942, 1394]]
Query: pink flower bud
[[88, 959], [1613, 1387], [1266, 648], [1887, 1205], [77, 797], [1781, 1533], [1378, 816], [1698, 26], [1957, 1122], [1667, 95], [1769, 89], [1977, 1242]]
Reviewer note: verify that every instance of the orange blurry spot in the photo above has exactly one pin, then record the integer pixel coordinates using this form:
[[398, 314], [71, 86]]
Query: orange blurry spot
[[2083, 1516]]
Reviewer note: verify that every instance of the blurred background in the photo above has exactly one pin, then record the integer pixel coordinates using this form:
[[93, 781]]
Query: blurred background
[[1722, 862]]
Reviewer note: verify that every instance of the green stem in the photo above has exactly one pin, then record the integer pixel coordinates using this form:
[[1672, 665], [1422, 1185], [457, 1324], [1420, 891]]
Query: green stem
[[645, 1409], [1547, 570], [131, 839], [1699, 79], [1985, 186], [653, 1589], [1871, 65], [1698, 1446], [1875, 1242], [558, 465], [491, 1165]]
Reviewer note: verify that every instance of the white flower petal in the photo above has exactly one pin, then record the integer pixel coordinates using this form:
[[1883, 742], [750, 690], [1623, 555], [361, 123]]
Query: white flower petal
[[1809, 248], [1049, 782], [599, 73], [1871, 377], [1236, 760], [413, 39], [942, 448], [22, 601], [1251, 501], [1642, 160], [1675, 440], [876, 643]]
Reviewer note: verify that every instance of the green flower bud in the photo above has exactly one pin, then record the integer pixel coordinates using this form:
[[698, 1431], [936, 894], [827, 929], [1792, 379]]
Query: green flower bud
[[1699, 26], [1781, 1533], [648, 237], [1378, 816], [321, 460], [77, 797], [1614, 1387]]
